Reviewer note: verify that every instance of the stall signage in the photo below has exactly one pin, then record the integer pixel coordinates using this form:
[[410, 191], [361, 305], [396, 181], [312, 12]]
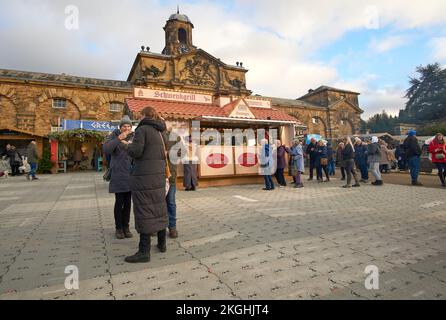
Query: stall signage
[[242, 111], [254, 103], [88, 125], [172, 96]]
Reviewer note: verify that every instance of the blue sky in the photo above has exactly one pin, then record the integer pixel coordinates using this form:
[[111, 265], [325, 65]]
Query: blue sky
[[369, 46]]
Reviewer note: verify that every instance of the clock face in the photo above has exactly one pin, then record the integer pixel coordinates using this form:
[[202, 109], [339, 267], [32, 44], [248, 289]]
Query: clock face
[[183, 49]]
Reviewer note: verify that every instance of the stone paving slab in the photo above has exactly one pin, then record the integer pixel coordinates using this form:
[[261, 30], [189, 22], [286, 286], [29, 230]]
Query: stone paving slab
[[235, 242]]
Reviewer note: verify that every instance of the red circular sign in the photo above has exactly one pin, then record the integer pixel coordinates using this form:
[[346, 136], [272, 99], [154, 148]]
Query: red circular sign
[[248, 160], [217, 160]]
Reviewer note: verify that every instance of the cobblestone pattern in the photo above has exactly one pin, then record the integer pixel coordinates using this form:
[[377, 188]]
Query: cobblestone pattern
[[310, 243]]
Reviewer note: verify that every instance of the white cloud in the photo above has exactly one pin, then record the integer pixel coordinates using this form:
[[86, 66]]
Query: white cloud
[[439, 49], [276, 40], [388, 43]]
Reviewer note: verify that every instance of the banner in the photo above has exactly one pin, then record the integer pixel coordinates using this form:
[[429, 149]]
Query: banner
[[104, 126], [173, 96]]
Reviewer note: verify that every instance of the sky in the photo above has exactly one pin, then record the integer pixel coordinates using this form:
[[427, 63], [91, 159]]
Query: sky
[[289, 47]]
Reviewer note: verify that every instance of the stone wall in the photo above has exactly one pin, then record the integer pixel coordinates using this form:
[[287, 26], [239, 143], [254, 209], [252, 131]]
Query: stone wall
[[29, 107]]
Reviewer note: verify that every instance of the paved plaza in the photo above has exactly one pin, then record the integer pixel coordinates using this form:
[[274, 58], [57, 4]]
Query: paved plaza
[[236, 242]]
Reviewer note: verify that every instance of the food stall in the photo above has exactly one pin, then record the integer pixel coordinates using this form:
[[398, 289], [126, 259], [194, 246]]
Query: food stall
[[225, 130]]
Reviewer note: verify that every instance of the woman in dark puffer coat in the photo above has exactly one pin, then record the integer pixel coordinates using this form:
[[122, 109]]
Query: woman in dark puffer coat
[[148, 183]]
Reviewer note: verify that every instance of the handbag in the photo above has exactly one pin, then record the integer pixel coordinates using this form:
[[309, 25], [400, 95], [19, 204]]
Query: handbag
[[107, 175], [168, 173], [324, 161]]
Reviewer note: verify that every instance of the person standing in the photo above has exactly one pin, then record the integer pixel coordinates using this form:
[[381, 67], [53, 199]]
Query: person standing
[[340, 159], [171, 194], [148, 183], [266, 164], [33, 158], [348, 155], [361, 159], [190, 176], [312, 154], [14, 159], [117, 147], [385, 162], [322, 161], [374, 157], [17, 162], [297, 163], [281, 163], [412, 150], [77, 157], [438, 150], [331, 160], [401, 158]]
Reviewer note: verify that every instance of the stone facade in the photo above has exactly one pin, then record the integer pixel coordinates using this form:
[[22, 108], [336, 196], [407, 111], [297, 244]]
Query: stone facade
[[26, 101], [330, 112], [26, 98]]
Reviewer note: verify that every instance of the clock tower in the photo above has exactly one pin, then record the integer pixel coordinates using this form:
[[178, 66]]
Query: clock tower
[[178, 31]]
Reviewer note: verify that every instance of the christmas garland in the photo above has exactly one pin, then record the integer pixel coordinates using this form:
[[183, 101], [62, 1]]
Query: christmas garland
[[78, 135]]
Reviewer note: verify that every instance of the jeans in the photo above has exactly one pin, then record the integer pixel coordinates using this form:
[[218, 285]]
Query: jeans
[[280, 177], [33, 166], [350, 168], [374, 168], [441, 166], [414, 166], [362, 166], [269, 184], [123, 205], [331, 167], [319, 172], [312, 167], [172, 206], [343, 173]]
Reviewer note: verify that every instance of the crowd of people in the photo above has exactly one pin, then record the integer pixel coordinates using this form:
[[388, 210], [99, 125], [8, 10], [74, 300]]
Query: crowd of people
[[356, 160], [141, 173], [14, 164]]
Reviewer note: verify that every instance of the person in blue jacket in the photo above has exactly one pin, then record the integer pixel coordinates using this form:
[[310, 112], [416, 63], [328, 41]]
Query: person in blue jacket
[[322, 161], [361, 159]]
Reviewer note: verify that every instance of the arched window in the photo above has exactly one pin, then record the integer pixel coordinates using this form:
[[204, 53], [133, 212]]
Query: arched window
[[116, 107], [182, 36]]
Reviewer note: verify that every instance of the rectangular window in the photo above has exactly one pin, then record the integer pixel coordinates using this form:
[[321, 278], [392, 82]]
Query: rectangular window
[[115, 107], [59, 103]]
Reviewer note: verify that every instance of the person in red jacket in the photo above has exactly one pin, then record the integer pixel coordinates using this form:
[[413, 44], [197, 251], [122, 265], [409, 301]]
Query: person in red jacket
[[438, 150]]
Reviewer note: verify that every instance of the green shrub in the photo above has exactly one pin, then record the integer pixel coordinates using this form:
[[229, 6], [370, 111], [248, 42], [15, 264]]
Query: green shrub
[[45, 163]]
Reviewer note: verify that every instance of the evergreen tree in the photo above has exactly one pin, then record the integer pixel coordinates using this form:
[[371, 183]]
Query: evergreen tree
[[427, 94]]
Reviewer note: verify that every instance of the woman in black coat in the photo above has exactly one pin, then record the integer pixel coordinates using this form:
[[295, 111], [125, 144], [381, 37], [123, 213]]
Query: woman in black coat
[[116, 147], [148, 183]]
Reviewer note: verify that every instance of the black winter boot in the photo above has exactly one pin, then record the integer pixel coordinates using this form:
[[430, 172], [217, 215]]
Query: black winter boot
[[442, 179], [162, 240], [143, 255]]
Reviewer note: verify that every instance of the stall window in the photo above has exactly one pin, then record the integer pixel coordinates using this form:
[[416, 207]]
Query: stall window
[[59, 103], [115, 107]]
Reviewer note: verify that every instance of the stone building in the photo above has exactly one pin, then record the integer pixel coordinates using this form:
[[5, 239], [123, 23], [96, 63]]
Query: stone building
[[33, 104], [329, 112]]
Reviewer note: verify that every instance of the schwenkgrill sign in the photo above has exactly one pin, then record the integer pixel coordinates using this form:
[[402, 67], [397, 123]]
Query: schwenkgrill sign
[[172, 96]]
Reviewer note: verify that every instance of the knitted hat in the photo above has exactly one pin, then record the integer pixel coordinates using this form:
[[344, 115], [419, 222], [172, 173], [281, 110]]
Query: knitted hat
[[412, 133], [125, 120]]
